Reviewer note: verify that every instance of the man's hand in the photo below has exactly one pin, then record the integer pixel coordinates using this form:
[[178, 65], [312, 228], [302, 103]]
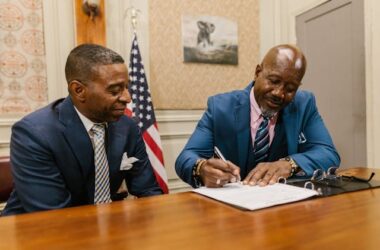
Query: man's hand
[[268, 173], [216, 173]]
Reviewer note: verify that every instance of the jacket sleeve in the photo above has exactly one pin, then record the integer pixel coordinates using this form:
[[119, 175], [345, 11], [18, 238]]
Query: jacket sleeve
[[317, 151], [38, 182], [200, 145]]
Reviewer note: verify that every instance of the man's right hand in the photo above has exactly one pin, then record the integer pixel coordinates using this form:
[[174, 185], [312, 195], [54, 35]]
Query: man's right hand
[[216, 173]]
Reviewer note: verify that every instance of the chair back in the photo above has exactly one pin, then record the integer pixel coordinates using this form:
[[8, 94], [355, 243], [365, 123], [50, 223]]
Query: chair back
[[6, 179]]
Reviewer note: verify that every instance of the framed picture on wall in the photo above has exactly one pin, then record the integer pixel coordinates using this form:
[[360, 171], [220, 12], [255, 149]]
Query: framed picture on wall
[[209, 39]]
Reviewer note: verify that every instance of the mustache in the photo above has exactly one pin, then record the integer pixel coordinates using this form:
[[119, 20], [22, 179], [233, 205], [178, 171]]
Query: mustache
[[276, 100]]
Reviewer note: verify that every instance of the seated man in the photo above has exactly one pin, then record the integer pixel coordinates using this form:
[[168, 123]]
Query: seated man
[[70, 152], [266, 131]]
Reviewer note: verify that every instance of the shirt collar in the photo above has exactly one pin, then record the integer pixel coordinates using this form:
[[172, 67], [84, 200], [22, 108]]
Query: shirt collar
[[88, 124], [255, 109]]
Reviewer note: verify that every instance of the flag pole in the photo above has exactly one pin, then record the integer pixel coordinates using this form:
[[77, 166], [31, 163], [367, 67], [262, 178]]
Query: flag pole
[[142, 110], [134, 13]]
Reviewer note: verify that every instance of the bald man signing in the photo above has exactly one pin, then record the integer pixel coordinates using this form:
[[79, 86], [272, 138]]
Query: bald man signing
[[266, 131]]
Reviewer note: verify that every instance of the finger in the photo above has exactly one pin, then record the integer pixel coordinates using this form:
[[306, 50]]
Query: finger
[[224, 166], [230, 170], [211, 184], [215, 183], [258, 175], [252, 178], [266, 179], [214, 177], [210, 174], [275, 178], [233, 169], [225, 178], [248, 177]]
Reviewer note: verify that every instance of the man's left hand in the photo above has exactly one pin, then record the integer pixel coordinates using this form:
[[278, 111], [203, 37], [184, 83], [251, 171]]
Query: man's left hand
[[268, 173]]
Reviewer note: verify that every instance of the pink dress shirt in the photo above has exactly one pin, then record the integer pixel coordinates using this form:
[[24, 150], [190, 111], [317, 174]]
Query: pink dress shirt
[[256, 119]]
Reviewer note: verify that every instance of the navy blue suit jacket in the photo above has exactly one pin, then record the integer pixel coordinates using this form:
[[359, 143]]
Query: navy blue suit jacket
[[52, 160], [299, 133]]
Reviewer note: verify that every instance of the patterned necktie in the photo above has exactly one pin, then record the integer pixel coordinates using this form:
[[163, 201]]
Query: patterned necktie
[[261, 147], [102, 180]]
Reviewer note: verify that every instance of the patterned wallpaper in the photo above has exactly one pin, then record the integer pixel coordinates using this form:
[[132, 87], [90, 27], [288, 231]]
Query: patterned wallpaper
[[178, 85], [23, 86]]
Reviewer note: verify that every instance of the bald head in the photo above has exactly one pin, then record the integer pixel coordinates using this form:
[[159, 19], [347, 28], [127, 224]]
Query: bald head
[[278, 77], [286, 56]]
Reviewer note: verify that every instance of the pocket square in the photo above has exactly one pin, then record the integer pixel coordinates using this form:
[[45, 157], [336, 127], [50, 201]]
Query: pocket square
[[301, 138], [127, 163]]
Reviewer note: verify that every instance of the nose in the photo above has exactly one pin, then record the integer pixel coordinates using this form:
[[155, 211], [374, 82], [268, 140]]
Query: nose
[[125, 96], [279, 91]]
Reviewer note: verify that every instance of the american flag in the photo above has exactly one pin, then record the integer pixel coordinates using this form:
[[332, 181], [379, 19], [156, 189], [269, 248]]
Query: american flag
[[143, 114]]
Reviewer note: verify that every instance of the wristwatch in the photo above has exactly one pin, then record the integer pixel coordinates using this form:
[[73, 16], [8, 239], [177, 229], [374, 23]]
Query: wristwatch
[[294, 166]]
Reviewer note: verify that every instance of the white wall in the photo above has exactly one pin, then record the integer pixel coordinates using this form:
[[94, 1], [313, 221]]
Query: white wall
[[59, 40], [277, 21], [277, 25], [372, 53]]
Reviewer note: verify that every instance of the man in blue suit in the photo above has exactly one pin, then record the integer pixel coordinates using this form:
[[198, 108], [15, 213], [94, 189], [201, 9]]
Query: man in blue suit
[[266, 131], [58, 156]]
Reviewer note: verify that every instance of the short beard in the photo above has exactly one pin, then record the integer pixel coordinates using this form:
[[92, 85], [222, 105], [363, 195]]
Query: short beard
[[268, 113]]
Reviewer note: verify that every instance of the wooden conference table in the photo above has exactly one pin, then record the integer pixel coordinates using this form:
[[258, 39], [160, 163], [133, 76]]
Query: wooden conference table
[[191, 221]]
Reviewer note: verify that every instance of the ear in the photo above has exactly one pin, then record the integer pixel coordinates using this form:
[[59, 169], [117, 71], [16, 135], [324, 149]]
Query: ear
[[77, 90], [258, 70]]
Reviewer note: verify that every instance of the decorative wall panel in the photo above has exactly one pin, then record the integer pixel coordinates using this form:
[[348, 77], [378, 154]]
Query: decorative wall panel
[[178, 85], [23, 86]]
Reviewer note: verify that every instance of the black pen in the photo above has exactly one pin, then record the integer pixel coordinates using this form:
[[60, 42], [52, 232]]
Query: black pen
[[220, 156]]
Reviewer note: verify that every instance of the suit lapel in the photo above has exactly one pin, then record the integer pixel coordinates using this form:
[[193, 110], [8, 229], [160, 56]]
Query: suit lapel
[[77, 137], [290, 117], [278, 148], [242, 122], [116, 140]]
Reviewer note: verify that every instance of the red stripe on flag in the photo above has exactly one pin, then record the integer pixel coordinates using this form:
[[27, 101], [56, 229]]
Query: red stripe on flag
[[161, 182], [153, 146]]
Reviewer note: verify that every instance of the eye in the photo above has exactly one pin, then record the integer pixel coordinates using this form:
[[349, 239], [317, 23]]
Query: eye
[[115, 90], [290, 90], [274, 80]]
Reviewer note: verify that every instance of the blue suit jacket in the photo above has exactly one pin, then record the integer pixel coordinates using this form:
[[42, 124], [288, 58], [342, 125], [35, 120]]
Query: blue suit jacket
[[299, 133], [52, 160]]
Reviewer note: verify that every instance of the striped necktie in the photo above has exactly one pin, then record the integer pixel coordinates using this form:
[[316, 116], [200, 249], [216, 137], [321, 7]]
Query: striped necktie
[[261, 147], [102, 180]]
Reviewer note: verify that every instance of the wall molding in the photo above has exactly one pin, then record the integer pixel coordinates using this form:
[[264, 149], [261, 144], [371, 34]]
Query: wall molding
[[8, 122], [306, 6], [176, 186], [173, 136], [372, 62], [4, 144], [178, 115]]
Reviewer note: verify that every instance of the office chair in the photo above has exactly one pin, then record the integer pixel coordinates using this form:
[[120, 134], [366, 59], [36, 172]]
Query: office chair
[[6, 180]]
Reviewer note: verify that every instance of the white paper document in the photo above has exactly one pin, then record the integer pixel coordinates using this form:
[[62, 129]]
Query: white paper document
[[255, 197]]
